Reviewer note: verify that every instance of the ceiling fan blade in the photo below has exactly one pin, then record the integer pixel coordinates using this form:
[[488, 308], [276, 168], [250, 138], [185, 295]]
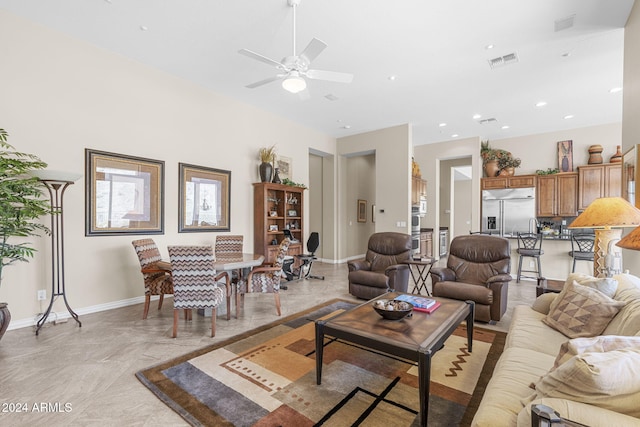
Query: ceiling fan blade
[[313, 49], [332, 76], [261, 58], [265, 81]]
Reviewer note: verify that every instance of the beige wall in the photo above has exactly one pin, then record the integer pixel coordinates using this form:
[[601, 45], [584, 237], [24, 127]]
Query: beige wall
[[431, 158], [60, 96], [361, 175], [446, 193], [631, 106], [540, 151], [392, 180]]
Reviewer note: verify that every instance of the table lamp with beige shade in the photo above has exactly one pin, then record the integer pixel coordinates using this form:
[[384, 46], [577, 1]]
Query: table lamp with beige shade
[[607, 216]]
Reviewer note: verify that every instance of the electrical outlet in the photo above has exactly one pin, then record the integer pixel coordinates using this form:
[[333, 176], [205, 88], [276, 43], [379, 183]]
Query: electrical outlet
[[42, 295]]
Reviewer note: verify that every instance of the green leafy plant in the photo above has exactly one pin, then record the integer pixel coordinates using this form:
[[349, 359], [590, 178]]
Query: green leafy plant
[[287, 181], [549, 171], [21, 203], [267, 154]]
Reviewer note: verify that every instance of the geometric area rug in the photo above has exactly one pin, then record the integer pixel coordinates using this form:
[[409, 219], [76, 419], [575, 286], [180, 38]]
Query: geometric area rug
[[266, 377]]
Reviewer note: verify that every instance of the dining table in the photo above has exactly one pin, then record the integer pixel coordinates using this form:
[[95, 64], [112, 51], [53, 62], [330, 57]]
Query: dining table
[[241, 262]]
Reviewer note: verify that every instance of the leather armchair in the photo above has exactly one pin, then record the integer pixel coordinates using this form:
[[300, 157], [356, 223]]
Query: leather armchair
[[478, 269], [383, 268]]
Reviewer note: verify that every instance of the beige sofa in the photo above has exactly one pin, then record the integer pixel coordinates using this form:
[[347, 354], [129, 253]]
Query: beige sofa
[[532, 347]]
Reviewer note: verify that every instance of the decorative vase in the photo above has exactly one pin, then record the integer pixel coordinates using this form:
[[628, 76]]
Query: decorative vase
[[491, 168], [276, 177], [617, 158], [564, 166], [507, 172], [5, 318], [595, 154], [266, 171]]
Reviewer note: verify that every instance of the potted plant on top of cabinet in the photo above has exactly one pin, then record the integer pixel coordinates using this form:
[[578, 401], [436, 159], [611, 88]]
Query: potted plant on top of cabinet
[[21, 204]]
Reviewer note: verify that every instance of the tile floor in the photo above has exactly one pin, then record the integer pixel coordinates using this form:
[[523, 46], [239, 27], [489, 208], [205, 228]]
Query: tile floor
[[85, 376]]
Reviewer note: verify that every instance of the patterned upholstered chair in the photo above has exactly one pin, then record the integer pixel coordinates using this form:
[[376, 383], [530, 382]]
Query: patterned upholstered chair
[[156, 281], [266, 279], [195, 283], [227, 244]]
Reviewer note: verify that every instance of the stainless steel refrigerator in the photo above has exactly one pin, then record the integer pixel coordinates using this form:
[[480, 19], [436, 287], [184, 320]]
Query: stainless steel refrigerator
[[508, 211]]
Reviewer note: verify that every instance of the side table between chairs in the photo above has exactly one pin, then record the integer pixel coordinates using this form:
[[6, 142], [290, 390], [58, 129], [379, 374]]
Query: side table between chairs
[[423, 267]]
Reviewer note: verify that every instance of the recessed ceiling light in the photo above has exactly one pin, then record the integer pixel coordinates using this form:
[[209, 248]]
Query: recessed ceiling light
[[143, 28], [476, 116], [541, 104], [566, 54], [568, 116], [442, 125], [489, 46], [346, 127], [505, 127], [392, 78], [455, 135], [615, 90]]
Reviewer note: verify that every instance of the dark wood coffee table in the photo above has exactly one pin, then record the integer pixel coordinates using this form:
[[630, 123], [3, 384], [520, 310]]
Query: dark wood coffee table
[[414, 338]]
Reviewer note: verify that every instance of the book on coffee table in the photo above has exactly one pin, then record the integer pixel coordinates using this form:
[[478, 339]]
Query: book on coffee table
[[427, 305]]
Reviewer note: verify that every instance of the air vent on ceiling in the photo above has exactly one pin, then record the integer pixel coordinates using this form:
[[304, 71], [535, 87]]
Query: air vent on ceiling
[[487, 121], [501, 61], [564, 23]]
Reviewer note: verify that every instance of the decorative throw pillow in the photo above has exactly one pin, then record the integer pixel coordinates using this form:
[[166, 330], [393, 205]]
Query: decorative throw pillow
[[599, 344], [582, 311], [608, 380], [607, 285]]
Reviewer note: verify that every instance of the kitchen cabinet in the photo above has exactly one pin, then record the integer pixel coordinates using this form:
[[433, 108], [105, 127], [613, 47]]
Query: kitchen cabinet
[[515, 181], [418, 188], [277, 207], [426, 243], [557, 194], [595, 181]]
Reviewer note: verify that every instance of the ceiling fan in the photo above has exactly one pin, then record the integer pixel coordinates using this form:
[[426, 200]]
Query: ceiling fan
[[293, 69]]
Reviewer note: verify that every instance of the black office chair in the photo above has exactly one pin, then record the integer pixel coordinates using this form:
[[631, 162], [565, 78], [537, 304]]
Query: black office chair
[[581, 248], [529, 245], [307, 259]]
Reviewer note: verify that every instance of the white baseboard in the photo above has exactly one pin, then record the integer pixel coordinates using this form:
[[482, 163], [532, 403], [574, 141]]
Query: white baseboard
[[25, 323]]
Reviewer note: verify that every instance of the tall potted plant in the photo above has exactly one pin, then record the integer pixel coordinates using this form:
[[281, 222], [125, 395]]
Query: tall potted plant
[[21, 204]]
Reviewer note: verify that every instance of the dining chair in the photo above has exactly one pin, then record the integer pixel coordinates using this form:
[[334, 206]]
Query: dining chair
[[156, 281], [229, 244], [266, 279], [195, 283], [581, 248], [529, 245]]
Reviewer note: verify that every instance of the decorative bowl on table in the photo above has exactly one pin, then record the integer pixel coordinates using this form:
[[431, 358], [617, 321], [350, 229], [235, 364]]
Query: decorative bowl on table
[[392, 309]]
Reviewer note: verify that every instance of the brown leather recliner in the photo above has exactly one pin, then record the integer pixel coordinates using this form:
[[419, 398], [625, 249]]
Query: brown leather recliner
[[383, 268], [477, 269]]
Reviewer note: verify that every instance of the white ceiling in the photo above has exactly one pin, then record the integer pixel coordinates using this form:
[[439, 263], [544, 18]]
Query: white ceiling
[[436, 50]]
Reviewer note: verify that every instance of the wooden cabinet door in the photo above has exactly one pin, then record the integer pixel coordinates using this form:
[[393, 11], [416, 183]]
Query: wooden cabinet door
[[567, 190], [521, 181], [546, 198], [493, 183], [591, 185], [613, 180]]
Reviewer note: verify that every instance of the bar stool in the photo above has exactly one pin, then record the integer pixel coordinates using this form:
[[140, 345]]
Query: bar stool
[[581, 248], [529, 245]]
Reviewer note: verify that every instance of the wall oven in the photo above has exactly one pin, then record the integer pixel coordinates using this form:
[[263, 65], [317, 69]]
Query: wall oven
[[415, 229]]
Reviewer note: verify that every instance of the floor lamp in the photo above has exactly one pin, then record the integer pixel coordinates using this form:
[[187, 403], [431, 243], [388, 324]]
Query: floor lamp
[[56, 183], [607, 216]]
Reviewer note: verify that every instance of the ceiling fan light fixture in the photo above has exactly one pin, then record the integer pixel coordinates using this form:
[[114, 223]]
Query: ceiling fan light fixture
[[294, 83]]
